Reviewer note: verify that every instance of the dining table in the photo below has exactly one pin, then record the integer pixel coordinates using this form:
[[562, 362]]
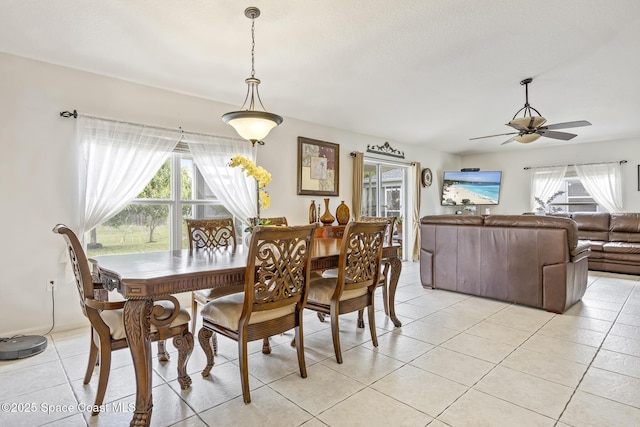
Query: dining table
[[144, 278]]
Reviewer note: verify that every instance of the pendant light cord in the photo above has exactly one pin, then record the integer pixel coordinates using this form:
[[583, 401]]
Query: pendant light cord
[[253, 47]]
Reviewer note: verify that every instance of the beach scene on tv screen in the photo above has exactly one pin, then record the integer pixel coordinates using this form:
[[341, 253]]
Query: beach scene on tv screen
[[471, 188]]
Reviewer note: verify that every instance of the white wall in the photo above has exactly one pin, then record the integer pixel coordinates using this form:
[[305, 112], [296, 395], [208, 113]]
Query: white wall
[[38, 173], [515, 194]]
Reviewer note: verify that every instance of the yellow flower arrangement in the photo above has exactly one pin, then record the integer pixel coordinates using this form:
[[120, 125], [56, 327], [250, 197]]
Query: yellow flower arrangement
[[260, 174]]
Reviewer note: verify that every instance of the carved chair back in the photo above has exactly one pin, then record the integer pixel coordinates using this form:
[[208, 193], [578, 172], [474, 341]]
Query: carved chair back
[[360, 256], [82, 274], [388, 231], [278, 267], [211, 233]]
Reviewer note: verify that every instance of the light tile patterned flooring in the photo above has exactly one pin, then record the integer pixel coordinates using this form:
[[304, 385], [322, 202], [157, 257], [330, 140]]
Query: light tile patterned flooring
[[456, 361]]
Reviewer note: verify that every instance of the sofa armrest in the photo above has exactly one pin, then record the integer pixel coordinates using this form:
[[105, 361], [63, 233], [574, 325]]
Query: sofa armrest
[[582, 250]]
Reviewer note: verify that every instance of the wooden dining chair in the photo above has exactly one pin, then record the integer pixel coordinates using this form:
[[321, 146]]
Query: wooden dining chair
[[208, 234], [275, 291], [358, 276], [384, 274], [213, 233], [388, 241], [107, 324]]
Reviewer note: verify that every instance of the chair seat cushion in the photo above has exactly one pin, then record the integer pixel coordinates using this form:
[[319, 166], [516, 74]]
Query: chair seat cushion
[[115, 320], [225, 311], [332, 273], [321, 289]]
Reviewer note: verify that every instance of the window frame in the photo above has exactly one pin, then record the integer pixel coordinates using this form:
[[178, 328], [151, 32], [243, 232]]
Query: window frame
[[176, 202]]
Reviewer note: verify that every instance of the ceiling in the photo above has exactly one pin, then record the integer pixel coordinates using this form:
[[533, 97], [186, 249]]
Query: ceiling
[[427, 72]]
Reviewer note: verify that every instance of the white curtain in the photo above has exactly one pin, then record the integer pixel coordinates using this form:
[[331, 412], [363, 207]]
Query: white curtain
[[415, 210], [545, 182], [356, 195], [117, 160], [603, 182], [232, 187]]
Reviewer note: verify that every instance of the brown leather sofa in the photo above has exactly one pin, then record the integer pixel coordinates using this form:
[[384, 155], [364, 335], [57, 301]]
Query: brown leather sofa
[[614, 240], [531, 260]]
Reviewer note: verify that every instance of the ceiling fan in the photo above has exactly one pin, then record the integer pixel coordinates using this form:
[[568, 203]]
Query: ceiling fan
[[529, 127]]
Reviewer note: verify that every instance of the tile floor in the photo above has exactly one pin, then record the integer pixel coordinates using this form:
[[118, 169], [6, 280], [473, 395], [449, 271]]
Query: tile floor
[[456, 361]]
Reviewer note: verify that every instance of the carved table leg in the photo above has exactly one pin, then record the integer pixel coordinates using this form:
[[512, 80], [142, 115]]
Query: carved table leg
[[396, 268], [137, 328]]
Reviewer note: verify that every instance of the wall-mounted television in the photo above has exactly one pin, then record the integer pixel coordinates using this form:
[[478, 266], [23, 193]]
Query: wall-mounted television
[[471, 188]]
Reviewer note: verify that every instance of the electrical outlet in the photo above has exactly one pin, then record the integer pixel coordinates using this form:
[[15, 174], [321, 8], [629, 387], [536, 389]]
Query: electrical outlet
[[51, 285]]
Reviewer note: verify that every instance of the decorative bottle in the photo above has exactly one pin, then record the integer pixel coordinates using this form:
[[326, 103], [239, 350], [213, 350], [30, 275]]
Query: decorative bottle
[[327, 218], [312, 212], [342, 213]]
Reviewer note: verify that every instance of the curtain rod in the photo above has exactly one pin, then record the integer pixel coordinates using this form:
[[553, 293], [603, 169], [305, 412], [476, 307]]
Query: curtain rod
[[75, 114], [353, 154], [576, 164]]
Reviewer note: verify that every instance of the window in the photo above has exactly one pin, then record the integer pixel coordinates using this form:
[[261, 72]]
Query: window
[[575, 197], [384, 191], [382, 197], [154, 221]]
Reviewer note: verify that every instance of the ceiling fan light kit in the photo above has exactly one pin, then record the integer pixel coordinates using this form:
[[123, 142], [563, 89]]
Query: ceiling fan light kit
[[531, 127], [251, 124], [527, 138], [528, 122]]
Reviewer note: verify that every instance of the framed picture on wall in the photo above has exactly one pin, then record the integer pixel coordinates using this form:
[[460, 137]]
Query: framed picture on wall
[[318, 167], [638, 177]]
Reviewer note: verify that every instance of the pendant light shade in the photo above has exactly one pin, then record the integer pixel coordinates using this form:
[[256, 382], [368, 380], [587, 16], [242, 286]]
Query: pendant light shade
[[527, 138], [251, 124]]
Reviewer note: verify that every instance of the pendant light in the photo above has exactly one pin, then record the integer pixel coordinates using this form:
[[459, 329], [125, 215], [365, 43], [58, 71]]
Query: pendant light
[[251, 124]]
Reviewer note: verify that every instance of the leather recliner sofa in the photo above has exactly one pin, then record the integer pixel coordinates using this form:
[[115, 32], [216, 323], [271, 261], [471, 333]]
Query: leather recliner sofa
[[614, 240], [530, 260]]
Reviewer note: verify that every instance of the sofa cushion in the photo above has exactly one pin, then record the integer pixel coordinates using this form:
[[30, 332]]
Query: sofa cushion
[[593, 235], [592, 221], [625, 227], [592, 225], [453, 219], [595, 245], [621, 247], [625, 222], [536, 221]]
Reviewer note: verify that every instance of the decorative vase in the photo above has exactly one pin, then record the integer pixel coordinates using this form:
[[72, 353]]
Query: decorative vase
[[312, 212], [342, 213], [327, 218]]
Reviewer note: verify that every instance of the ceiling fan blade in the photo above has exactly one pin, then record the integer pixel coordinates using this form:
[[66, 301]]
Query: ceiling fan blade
[[491, 136], [508, 141], [566, 125], [556, 135]]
